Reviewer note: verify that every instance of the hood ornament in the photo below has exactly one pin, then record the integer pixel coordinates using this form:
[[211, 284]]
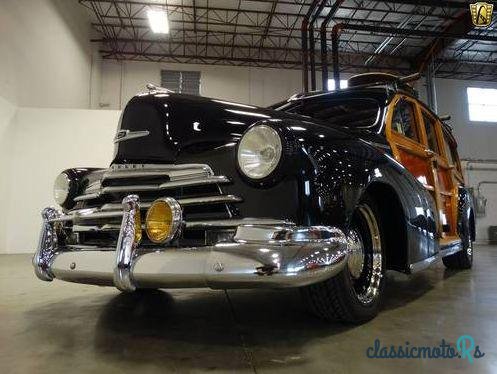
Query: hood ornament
[[152, 88]]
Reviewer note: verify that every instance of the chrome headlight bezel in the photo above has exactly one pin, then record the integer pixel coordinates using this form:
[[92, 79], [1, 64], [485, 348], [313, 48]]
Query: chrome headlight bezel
[[65, 189], [274, 156]]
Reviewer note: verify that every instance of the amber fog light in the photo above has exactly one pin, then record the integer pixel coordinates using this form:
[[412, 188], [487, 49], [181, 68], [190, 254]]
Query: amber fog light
[[138, 226], [163, 220]]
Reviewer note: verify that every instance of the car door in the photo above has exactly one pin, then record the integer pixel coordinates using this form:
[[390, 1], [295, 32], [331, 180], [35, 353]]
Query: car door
[[446, 186], [407, 142]]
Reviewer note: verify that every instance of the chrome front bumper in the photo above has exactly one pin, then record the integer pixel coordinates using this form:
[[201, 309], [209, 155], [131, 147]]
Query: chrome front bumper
[[260, 256]]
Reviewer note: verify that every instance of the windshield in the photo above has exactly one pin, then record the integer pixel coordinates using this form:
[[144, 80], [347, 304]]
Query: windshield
[[343, 112]]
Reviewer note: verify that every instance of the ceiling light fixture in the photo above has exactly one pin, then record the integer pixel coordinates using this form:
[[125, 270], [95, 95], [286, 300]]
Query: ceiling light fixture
[[158, 21]]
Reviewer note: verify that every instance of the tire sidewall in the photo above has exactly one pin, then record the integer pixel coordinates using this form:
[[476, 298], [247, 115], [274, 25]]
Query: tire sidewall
[[360, 310]]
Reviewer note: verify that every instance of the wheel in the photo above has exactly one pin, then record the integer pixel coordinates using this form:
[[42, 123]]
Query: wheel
[[355, 294], [464, 258]]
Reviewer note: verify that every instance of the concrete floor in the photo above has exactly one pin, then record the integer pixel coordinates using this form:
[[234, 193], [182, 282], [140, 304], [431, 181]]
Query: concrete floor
[[62, 327]]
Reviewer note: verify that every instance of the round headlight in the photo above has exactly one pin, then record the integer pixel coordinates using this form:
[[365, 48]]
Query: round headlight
[[61, 188], [163, 220], [259, 152]]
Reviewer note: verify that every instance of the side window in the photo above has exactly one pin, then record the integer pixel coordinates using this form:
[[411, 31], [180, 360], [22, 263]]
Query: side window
[[451, 152], [448, 151], [431, 134], [404, 120]]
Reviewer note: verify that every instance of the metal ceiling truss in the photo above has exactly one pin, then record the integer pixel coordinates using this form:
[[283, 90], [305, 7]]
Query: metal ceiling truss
[[267, 33]]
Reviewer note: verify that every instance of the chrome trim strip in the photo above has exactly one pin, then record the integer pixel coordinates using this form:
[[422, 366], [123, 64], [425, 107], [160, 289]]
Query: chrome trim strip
[[185, 202], [236, 222], [210, 200], [90, 196], [126, 245], [118, 171], [286, 235], [282, 225], [114, 206], [124, 135], [110, 210], [187, 182], [427, 262]]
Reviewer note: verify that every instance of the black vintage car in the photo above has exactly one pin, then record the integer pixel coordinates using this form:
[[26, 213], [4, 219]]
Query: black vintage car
[[324, 191]]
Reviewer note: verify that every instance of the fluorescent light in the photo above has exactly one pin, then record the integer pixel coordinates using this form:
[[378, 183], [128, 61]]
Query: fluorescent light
[[158, 21]]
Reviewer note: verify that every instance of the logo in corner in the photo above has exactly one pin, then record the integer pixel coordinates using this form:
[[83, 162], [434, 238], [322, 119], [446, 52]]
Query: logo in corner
[[481, 13]]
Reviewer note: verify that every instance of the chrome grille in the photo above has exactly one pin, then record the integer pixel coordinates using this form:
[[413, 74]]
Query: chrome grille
[[98, 212]]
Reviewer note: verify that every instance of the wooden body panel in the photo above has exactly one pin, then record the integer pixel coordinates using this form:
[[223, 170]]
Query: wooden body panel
[[437, 169]]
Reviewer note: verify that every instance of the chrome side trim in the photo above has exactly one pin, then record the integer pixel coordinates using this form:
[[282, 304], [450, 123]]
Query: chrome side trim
[[236, 222], [47, 245], [126, 245], [427, 262], [124, 135], [286, 235]]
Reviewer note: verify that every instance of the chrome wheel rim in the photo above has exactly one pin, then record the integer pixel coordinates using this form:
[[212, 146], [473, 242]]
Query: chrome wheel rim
[[355, 261], [469, 250], [365, 242]]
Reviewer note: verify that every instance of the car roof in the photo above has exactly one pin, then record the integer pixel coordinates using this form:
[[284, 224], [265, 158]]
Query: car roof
[[382, 94]]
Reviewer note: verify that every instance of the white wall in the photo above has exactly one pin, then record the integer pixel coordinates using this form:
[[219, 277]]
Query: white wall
[[7, 113], [46, 57], [38, 145], [474, 174], [476, 140], [122, 80]]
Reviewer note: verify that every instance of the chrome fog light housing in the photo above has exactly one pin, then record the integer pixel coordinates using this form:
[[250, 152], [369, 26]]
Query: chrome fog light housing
[[259, 152], [163, 220]]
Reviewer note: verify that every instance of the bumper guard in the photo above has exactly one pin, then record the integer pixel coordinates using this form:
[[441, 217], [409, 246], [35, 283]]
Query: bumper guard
[[260, 256]]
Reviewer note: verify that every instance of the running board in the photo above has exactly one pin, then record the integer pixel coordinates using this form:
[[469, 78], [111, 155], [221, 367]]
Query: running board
[[444, 251]]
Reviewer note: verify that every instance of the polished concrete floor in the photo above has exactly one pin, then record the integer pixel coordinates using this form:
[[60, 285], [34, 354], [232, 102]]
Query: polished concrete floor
[[60, 327]]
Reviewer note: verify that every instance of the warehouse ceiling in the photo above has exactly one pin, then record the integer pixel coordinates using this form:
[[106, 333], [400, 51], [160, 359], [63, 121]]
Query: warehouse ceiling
[[267, 33]]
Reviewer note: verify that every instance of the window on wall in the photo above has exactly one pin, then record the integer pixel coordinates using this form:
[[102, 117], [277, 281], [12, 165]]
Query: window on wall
[[482, 104], [331, 84], [186, 82]]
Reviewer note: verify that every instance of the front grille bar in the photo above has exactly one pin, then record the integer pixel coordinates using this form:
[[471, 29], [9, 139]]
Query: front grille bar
[[111, 210], [201, 225], [173, 172], [187, 182]]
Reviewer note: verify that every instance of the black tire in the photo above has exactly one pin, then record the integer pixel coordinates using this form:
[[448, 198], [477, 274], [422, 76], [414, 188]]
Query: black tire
[[464, 258], [345, 297]]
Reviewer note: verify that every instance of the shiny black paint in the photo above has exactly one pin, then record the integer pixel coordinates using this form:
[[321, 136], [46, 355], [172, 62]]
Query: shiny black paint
[[330, 169]]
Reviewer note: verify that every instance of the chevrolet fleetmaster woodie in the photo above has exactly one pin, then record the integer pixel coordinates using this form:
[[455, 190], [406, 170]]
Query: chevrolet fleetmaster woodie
[[324, 192]]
